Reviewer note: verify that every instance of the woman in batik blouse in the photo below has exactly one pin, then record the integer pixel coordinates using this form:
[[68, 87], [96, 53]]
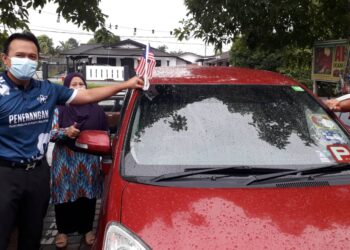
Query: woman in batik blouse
[[76, 180]]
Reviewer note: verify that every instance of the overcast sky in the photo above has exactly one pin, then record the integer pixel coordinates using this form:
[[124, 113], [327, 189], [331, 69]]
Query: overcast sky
[[162, 16]]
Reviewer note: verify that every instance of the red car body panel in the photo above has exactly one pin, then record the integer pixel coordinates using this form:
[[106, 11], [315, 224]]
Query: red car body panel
[[235, 218], [223, 218], [218, 75]]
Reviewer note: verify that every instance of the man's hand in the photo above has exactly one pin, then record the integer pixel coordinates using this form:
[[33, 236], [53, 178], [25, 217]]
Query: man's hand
[[333, 104], [135, 83]]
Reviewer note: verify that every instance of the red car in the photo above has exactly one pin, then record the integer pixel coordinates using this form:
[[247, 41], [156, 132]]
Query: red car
[[224, 158]]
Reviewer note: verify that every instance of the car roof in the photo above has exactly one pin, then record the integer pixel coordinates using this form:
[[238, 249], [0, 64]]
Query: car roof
[[217, 75]]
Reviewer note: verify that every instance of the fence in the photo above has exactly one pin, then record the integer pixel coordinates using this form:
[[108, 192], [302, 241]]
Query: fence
[[101, 73], [90, 72]]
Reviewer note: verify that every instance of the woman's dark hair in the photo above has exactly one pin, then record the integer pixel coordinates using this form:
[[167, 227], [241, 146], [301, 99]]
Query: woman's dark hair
[[27, 36]]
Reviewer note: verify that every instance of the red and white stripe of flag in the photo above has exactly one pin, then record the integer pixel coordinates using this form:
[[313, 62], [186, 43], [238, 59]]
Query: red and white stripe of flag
[[151, 65], [140, 69]]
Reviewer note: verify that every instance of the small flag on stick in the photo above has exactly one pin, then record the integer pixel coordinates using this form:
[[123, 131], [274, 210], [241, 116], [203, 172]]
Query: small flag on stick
[[146, 66]]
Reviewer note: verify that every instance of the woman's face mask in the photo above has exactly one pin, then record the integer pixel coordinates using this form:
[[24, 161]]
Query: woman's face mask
[[23, 68]]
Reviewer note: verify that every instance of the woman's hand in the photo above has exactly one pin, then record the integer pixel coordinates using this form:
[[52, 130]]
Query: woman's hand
[[72, 132]]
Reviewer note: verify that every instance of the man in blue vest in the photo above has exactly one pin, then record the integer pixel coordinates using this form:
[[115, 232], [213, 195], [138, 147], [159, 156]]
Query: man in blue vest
[[26, 112]]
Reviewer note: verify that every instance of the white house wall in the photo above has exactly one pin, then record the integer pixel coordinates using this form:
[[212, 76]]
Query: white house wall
[[94, 72], [164, 61], [180, 62]]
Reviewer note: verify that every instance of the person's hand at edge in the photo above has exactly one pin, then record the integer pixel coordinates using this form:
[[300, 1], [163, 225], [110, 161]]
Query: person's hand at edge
[[333, 104]]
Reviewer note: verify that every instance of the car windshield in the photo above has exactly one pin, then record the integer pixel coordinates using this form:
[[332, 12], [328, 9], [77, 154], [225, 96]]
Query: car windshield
[[177, 127]]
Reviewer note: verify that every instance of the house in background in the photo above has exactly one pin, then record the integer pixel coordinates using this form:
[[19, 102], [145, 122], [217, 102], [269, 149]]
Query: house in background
[[192, 57], [220, 60], [124, 53]]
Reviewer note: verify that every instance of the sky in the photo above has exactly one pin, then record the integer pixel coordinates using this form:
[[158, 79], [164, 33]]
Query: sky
[[162, 16]]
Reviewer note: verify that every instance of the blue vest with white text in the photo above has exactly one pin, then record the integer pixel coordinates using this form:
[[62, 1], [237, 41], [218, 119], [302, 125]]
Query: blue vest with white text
[[26, 117]]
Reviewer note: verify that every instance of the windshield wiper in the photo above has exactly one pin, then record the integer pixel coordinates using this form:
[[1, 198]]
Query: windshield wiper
[[218, 170], [321, 169]]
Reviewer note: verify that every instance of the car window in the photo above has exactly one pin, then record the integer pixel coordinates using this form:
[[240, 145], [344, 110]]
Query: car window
[[345, 117], [112, 104], [196, 126]]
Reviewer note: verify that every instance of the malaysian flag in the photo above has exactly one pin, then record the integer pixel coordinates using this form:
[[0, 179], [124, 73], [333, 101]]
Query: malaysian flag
[[146, 66]]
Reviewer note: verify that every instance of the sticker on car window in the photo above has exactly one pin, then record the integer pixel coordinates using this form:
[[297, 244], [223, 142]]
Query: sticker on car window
[[297, 88], [333, 137], [322, 121], [340, 152]]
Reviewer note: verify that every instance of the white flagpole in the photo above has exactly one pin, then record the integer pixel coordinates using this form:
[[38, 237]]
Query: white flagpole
[[146, 81]]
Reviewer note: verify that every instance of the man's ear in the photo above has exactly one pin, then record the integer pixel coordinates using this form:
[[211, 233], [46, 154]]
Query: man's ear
[[6, 60]]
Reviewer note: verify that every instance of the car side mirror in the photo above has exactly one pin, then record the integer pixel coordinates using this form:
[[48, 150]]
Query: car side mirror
[[95, 142]]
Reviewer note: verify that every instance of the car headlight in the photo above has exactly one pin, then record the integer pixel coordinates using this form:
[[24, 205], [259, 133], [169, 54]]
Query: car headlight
[[118, 237]]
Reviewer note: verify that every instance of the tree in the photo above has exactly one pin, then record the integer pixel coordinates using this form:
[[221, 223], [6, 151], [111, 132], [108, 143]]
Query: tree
[[291, 61], [92, 41], [46, 45], [266, 23], [163, 48], [3, 37], [178, 52], [14, 13], [71, 43], [105, 37]]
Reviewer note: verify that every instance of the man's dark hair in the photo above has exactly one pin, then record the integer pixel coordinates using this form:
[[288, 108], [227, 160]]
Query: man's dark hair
[[26, 36]]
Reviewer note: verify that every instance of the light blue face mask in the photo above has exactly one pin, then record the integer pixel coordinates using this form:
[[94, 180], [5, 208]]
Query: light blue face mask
[[23, 68]]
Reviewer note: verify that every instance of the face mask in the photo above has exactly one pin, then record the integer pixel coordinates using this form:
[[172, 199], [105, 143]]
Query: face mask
[[23, 68]]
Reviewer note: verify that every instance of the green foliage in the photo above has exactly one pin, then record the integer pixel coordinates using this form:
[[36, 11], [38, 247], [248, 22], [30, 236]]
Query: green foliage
[[71, 43], [241, 55], [92, 41], [290, 61], [46, 45], [14, 13], [105, 37], [163, 48], [297, 65], [266, 23], [302, 75], [3, 37]]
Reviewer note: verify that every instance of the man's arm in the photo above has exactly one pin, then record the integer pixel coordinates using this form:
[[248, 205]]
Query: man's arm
[[85, 96]]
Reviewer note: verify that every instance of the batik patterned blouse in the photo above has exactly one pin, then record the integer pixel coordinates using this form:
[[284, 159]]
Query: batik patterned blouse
[[73, 174]]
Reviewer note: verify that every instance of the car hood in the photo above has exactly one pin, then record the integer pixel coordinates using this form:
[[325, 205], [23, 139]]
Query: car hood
[[235, 218]]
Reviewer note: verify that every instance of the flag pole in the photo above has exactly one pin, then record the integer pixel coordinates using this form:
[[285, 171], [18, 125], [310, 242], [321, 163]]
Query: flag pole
[[146, 82]]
